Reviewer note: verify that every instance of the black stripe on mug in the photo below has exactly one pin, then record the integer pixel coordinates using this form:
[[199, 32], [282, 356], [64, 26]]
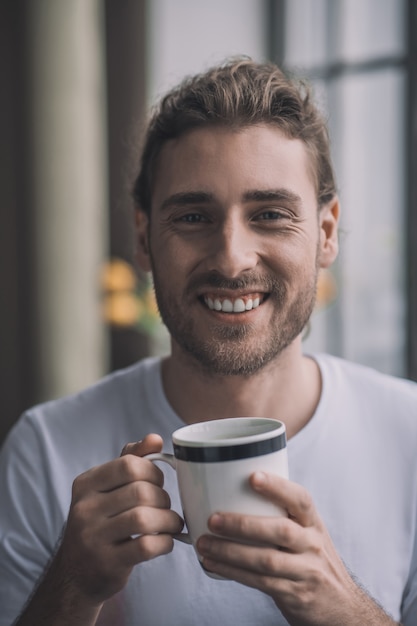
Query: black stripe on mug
[[217, 454]]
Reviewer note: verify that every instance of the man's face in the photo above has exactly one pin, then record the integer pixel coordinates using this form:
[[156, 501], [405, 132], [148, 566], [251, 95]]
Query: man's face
[[234, 245]]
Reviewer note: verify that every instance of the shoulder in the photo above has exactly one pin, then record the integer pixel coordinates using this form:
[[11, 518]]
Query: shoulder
[[372, 395], [342, 372], [102, 413], [104, 395]]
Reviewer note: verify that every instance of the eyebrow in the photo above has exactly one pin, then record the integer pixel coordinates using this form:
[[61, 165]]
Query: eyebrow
[[281, 194], [185, 198], [189, 198]]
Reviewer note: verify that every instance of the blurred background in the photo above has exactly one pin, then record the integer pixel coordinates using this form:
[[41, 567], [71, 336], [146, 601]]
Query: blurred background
[[77, 77]]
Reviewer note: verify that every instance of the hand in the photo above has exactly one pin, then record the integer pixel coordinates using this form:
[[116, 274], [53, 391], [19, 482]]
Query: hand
[[119, 516], [295, 561]]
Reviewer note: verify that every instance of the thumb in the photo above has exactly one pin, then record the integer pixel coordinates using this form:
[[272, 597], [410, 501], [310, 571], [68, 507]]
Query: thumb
[[150, 443]]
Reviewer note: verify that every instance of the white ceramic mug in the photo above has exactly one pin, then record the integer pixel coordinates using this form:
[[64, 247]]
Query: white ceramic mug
[[214, 460]]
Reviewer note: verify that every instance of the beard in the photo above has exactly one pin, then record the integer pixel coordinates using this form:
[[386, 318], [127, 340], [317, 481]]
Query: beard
[[240, 349]]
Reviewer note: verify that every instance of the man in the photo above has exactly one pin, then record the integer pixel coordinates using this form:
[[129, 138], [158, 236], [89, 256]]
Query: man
[[236, 213]]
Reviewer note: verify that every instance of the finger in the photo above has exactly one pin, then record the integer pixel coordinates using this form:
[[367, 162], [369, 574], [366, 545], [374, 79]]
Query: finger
[[287, 494], [138, 493], [130, 468], [281, 587], [141, 520], [280, 532], [150, 443], [264, 561], [144, 548], [115, 474]]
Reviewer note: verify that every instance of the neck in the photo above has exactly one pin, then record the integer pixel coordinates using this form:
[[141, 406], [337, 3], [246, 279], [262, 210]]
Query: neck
[[287, 389]]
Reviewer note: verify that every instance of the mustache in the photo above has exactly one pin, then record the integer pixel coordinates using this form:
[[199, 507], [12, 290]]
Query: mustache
[[252, 282]]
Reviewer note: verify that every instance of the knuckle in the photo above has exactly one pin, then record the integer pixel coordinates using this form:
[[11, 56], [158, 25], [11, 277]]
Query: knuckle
[[146, 547], [307, 595], [133, 468], [305, 501], [285, 534], [244, 524], [269, 562], [270, 584], [313, 582], [147, 494], [140, 491], [140, 520], [127, 465]]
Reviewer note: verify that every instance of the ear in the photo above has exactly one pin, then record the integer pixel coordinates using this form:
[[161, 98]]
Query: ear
[[142, 239], [329, 240]]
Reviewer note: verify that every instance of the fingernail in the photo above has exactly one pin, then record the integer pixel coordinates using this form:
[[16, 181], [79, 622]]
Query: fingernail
[[207, 564], [203, 544], [216, 521], [258, 479]]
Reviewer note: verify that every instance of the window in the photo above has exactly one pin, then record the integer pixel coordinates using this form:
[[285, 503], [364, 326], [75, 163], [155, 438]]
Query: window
[[354, 51]]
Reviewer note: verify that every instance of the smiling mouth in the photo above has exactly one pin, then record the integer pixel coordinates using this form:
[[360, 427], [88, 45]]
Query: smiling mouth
[[241, 304]]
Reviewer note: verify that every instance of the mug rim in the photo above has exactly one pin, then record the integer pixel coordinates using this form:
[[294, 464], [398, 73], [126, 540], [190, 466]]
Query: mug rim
[[275, 428]]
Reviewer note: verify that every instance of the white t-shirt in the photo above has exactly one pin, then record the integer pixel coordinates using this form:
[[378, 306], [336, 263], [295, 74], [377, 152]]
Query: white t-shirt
[[357, 457]]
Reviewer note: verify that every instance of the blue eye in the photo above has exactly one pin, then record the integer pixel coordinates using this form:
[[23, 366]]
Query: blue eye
[[192, 218], [270, 215]]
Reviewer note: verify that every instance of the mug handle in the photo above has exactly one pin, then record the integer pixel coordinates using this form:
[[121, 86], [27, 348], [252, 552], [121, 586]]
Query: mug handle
[[172, 461]]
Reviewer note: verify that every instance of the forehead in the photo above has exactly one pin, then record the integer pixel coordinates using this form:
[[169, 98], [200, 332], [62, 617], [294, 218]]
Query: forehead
[[226, 161]]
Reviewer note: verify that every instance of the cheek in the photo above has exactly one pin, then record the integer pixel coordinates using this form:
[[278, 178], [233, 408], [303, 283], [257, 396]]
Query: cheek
[[293, 257], [170, 264]]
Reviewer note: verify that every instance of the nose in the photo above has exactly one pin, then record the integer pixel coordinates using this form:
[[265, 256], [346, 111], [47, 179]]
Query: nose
[[233, 249]]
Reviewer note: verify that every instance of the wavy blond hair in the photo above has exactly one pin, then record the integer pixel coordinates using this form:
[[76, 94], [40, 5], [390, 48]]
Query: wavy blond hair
[[238, 94]]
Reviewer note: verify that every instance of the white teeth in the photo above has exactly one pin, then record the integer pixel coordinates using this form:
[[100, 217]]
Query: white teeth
[[239, 306], [232, 306], [227, 306]]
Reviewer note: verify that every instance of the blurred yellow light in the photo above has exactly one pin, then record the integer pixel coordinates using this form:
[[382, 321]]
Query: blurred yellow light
[[326, 288], [122, 308], [118, 275]]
